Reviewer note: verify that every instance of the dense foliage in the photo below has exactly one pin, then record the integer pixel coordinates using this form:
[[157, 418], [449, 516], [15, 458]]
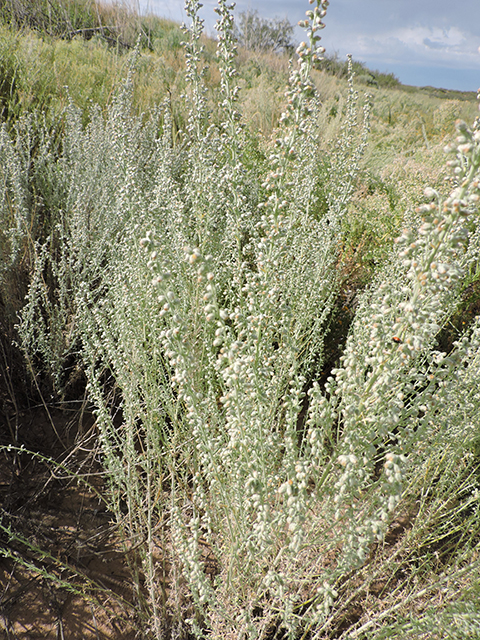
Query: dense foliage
[[260, 34], [199, 276]]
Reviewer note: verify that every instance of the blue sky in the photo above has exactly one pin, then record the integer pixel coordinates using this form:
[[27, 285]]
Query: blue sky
[[423, 42]]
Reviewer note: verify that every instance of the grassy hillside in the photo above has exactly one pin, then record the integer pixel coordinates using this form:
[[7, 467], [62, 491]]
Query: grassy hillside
[[239, 328], [80, 48]]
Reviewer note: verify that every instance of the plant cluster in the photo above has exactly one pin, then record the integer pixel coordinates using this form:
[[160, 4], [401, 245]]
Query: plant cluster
[[196, 284], [261, 34], [67, 19], [366, 76]]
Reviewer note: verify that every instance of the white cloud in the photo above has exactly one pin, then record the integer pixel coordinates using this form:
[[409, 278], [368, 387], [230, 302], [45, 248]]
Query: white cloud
[[435, 34], [434, 37], [416, 44]]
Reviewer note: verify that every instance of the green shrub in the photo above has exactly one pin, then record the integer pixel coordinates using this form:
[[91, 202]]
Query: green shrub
[[70, 18], [334, 66], [261, 34]]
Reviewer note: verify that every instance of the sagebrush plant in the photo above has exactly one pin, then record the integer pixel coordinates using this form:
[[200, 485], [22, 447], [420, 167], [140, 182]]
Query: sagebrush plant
[[195, 283], [240, 331], [93, 188]]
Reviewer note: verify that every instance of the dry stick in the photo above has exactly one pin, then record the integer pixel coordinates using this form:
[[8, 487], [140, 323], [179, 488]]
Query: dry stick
[[18, 592], [60, 629], [62, 465], [94, 621], [43, 400]]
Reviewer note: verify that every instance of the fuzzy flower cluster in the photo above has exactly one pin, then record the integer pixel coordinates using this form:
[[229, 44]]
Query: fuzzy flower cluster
[[226, 53], [300, 87], [294, 122], [350, 147], [313, 24], [196, 69], [190, 551], [392, 381]]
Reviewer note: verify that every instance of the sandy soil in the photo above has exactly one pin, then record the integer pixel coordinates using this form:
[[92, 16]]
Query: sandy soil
[[52, 526]]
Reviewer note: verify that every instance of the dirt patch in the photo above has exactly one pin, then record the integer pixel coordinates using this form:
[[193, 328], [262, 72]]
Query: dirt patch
[[63, 571]]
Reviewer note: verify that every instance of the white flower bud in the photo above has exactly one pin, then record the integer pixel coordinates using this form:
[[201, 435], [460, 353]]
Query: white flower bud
[[430, 193]]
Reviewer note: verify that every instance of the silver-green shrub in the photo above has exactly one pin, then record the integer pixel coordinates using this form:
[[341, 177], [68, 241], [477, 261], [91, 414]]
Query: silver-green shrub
[[243, 281], [197, 285]]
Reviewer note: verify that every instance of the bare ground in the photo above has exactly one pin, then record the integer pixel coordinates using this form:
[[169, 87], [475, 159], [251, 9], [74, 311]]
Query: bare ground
[[55, 527]]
